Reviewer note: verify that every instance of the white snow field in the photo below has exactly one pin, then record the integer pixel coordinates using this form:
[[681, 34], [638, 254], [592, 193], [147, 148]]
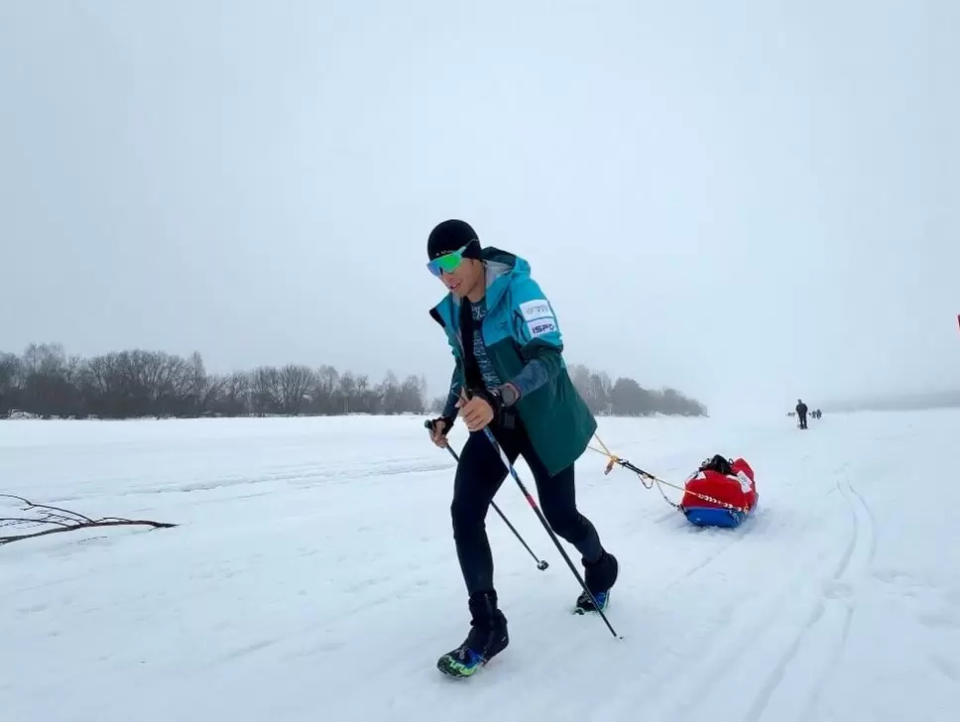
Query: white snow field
[[313, 577]]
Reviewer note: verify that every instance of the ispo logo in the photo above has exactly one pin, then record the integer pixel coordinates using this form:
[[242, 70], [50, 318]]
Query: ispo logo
[[541, 327]]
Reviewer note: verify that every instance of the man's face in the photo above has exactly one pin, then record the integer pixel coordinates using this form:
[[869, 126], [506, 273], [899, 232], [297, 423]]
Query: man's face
[[463, 278]]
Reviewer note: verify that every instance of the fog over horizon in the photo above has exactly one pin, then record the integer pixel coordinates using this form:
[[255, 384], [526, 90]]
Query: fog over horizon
[[747, 203]]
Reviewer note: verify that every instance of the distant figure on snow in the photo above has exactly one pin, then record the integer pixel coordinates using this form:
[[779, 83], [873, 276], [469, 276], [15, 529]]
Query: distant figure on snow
[[802, 413]]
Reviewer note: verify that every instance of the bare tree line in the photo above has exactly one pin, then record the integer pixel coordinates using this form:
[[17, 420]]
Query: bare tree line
[[125, 384], [626, 397]]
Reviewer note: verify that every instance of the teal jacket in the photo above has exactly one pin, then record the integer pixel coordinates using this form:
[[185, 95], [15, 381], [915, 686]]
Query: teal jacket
[[520, 326]]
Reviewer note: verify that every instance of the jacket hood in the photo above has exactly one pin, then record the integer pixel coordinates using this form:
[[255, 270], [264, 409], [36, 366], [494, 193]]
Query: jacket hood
[[501, 268]]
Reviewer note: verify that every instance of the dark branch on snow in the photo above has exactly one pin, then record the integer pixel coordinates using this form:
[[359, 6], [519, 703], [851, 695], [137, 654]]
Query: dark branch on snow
[[64, 520]]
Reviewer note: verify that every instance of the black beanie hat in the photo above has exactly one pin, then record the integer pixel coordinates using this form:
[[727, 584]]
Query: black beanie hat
[[453, 235]]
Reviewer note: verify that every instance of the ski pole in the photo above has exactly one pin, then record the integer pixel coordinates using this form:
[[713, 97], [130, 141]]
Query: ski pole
[[541, 563], [543, 520]]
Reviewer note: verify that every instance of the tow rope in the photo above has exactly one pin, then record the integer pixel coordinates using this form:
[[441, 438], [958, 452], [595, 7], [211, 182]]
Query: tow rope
[[649, 480]]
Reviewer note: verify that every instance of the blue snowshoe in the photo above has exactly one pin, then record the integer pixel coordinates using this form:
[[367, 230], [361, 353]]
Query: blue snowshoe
[[487, 638], [600, 576]]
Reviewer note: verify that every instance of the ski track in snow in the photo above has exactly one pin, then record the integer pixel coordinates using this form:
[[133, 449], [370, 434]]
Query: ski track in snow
[[852, 567], [314, 574]]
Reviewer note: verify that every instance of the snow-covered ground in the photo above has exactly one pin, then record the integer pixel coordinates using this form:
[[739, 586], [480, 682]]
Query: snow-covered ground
[[313, 577]]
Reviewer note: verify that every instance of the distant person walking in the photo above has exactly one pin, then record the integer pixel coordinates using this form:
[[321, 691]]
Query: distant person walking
[[802, 413]]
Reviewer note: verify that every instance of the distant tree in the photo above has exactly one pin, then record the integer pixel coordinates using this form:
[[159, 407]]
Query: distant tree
[[599, 392], [593, 387], [366, 400], [196, 386], [213, 399], [234, 398], [389, 393], [412, 392], [10, 376], [294, 383], [265, 391], [673, 402], [628, 398], [48, 383], [346, 393], [580, 377], [324, 390]]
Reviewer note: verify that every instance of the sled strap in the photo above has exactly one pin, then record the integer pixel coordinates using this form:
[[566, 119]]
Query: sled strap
[[649, 480]]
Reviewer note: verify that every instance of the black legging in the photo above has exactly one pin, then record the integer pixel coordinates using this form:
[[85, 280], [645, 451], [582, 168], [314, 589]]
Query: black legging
[[480, 474]]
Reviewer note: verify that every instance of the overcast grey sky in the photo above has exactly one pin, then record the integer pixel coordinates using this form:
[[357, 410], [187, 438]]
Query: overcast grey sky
[[747, 201]]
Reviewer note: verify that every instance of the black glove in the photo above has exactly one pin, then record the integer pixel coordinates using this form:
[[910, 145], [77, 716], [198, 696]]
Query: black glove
[[494, 398], [447, 421], [501, 400]]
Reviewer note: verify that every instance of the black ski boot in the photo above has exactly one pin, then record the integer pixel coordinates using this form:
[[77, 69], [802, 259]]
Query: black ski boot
[[487, 637], [600, 577]]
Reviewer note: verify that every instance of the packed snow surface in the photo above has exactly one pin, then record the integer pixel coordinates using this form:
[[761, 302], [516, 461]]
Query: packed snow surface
[[313, 577]]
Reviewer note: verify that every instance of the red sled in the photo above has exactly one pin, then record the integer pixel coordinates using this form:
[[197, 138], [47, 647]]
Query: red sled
[[720, 493]]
